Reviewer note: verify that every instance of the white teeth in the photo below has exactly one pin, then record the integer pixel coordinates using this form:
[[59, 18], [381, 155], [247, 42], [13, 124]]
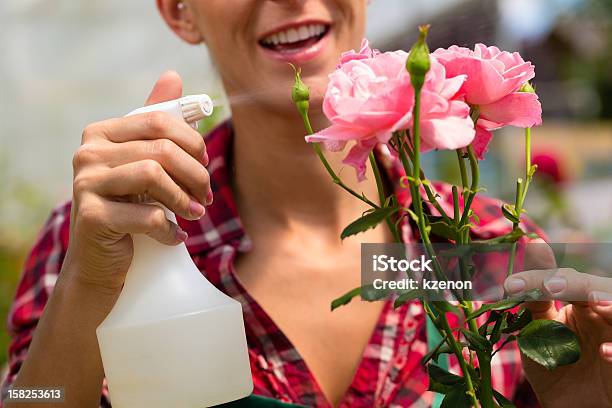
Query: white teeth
[[303, 33], [293, 35]]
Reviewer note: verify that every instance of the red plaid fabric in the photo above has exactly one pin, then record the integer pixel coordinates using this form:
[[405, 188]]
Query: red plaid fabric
[[390, 373]]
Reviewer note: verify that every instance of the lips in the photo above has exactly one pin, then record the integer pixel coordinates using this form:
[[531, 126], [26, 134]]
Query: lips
[[296, 43]]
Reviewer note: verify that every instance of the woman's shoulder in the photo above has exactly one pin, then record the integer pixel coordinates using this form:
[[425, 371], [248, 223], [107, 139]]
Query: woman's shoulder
[[55, 233]]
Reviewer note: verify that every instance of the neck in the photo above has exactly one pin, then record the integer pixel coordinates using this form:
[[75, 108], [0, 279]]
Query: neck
[[279, 174]]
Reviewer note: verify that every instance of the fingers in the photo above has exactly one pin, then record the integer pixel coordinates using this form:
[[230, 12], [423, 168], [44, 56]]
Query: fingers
[[147, 178], [605, 351], [129, 218], [538, 255], [565, 284], [169, 86], [601, 304], [183, 168], [147, 126], [146, 219]]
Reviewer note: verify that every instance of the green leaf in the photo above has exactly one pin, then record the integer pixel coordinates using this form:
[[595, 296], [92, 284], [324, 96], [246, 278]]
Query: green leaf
[[508, 238], [478, 342], [368, 221], [473, 216], [371, 294], [503, 401], [506, 304], [407, 296], [441, 348], [445, 307], [412, 214], [442, 381], [443, 230], [367, 292], [345, 299], [510, 213], [523, 319], [456, 398], [484, 330], [549, 343], [496, 332], [388, 201]]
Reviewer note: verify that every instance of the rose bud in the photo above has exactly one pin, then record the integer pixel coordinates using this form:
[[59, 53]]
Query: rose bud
[[418, 63]]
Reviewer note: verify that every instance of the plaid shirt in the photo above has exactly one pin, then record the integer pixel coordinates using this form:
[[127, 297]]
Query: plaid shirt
[[389, 374]]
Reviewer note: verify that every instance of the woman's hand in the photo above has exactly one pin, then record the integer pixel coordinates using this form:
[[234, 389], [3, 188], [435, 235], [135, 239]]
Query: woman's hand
[[588, 382], [150, 155], [122, 163]]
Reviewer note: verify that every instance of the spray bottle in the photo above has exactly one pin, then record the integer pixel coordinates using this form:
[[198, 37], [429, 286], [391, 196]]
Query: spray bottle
[[173, 339]]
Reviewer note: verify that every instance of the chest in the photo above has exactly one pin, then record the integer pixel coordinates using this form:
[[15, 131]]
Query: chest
[[296, 293]]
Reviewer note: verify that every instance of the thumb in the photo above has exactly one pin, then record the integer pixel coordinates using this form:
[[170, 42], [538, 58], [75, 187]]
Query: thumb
[[169, 86], [539, 264]]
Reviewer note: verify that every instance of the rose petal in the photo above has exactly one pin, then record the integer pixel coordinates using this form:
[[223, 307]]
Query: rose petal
[[481, 142], [520, 109], [449, 133], [357, 157], [340, 133]]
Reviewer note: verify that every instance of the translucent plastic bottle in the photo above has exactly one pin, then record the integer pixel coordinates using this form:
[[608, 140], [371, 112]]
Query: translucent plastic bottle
[[173, 339]]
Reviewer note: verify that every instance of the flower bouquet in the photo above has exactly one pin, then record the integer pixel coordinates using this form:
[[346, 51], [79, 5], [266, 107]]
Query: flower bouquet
[[417, 102]]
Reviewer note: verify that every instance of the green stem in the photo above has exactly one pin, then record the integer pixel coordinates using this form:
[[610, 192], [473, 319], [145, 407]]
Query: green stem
[[454, 345], [484, 361], [455, 205], [464, 179], [416, 167], [521, 194], [331, 172], [418, 205], [527, 152], [381, 196], [432, 198], [473, 187]]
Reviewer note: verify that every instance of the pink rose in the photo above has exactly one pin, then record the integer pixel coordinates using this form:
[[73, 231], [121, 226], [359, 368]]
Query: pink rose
[[494, 78], [364, 53], [369, 97]]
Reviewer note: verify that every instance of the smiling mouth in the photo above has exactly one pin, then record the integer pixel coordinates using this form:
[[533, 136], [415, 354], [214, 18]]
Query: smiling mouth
[[295, 39]]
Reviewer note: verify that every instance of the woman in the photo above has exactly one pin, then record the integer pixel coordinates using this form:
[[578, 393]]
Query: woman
[[291, 264]]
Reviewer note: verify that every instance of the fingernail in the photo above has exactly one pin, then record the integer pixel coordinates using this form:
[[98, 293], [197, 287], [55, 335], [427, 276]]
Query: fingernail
[[606, 350], [515, 285], [209, 197], [196, 209], [181, 235], [205, 159], [556, 285], [601, 298]]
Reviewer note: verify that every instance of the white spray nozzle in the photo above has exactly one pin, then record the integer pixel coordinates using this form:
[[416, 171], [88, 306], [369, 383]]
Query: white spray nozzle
[[196, 107], [190, 108]]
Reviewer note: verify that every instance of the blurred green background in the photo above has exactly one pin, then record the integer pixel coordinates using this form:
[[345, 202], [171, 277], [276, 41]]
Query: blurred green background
[[22, 216], [53, 85]]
